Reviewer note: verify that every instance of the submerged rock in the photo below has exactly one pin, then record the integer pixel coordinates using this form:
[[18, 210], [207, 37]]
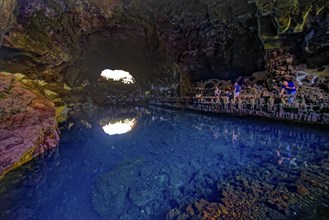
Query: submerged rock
[[28, 125], [131, 189], [246, 196], [110, 191]]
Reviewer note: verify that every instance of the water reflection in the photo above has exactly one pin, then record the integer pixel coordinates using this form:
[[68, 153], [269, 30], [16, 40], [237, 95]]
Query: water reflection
[[120, 127], [288, 156], [169, 159]]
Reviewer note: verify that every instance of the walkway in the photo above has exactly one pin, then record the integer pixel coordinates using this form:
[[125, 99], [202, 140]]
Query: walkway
[[249, 106]]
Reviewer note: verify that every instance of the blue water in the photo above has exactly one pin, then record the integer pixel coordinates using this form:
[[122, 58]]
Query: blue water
[[168, 160]]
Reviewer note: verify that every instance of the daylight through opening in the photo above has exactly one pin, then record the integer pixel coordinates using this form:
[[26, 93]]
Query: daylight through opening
[[118, 75]]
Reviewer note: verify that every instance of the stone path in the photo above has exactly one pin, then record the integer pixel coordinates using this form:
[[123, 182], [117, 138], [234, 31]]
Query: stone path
[[268, 107]]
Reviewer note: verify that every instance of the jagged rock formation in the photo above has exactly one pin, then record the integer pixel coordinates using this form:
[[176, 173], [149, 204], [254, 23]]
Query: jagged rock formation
[[28, 124], [209, 39], [7, 17]]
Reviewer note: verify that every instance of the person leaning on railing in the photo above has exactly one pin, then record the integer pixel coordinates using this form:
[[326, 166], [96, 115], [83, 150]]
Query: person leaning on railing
[[217, 94], [290, 89]]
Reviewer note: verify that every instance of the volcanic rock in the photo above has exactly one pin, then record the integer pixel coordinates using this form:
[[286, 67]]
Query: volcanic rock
[[28, 124]]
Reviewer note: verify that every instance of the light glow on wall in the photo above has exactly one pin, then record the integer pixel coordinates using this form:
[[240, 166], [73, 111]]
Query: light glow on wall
[[117, 75]]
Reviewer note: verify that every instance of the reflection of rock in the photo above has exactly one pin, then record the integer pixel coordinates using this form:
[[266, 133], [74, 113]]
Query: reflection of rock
[[28, 124]]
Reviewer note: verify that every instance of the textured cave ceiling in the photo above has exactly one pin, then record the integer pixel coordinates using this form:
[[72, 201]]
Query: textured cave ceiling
[[123, 49], [158, 39]]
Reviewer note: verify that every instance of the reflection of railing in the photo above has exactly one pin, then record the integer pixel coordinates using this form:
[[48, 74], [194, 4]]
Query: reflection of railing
[[247, 105]]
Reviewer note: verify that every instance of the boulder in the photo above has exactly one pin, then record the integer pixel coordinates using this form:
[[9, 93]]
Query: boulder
[[28, 124]]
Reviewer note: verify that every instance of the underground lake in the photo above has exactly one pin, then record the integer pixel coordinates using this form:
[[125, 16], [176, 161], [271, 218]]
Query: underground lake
[[168, 163]]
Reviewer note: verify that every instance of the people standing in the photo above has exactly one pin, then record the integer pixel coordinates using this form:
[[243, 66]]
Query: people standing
[[217, 94], [227, 95], [290, 89], [236, 91]]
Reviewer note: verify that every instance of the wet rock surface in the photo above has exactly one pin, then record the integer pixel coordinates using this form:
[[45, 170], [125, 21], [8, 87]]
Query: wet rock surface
[[28, 124]]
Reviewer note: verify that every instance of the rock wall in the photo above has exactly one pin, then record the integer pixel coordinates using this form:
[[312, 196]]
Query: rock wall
[[49, 32], [28, 124], [7, 17], [208, 39]]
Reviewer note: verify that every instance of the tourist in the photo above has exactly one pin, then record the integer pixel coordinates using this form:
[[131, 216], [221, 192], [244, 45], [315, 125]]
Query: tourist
[[290, 89], [217, 94], [227, 95], [236, 91]]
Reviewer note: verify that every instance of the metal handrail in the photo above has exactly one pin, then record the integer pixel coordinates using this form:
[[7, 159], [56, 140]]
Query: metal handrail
[[244, 101]]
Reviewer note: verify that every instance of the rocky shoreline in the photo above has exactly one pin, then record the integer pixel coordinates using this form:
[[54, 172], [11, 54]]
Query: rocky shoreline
[[28, 124]]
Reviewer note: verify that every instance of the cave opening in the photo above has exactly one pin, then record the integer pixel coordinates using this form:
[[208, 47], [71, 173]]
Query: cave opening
[[117, 109], [118, 75], [124, 48]]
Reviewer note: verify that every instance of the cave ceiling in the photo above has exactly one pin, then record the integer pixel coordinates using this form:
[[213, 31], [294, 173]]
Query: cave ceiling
[[158, 39]]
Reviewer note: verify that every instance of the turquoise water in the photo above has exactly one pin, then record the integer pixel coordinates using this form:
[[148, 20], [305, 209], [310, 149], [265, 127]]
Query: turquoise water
[[168, 160]]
